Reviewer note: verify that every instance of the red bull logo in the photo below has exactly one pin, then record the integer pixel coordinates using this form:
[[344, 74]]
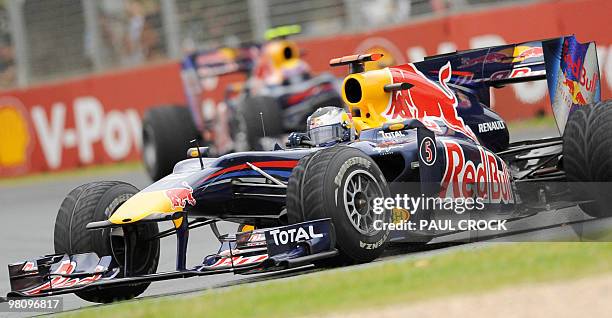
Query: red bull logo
[[426, 101], [526, 53], [576, 69], [519, 54], [493, 57], [180, 197], [574, 90]]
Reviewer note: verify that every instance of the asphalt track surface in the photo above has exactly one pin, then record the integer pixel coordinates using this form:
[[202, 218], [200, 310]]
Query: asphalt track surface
[[27, 231], [28, 213]]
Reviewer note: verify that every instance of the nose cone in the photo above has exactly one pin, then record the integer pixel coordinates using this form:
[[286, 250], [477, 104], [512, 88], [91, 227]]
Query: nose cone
[[144, 204]]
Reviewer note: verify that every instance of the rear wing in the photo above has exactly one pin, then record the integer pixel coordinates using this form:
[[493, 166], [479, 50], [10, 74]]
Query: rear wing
[[569, 67], [200, 69], [221, 61], [492, 66]]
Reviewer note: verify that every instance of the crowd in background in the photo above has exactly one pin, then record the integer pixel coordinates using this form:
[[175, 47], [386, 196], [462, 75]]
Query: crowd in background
[[130, 31], [60, 42], [7, 52]]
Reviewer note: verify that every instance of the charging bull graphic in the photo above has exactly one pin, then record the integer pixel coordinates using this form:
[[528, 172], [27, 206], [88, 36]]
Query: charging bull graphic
[[179, 197], [574, 91], [523, 53], [435, 101], [493, 57], [509, 55]]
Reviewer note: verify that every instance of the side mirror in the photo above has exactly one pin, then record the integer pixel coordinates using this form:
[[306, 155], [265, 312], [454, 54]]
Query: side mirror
[[397, 87], [197, 152]]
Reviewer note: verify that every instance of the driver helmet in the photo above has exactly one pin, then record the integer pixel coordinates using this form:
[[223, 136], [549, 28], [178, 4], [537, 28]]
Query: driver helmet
[[330, 125]]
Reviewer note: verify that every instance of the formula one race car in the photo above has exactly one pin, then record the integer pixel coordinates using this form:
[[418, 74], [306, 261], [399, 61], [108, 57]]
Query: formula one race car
[[278, 95], [314, 202]]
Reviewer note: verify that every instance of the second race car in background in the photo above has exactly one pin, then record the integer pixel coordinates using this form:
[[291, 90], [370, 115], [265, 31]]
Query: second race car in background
[[278, 95]]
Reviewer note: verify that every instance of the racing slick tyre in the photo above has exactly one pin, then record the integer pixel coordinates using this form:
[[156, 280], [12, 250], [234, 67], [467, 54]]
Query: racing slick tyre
[[587, 156], [341, 183], [97, 201], [250, 131], [166, 132]]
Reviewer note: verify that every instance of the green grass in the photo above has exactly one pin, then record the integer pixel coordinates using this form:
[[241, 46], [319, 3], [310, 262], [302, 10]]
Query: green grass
[[411, 280], [534, 122], [69, 174]]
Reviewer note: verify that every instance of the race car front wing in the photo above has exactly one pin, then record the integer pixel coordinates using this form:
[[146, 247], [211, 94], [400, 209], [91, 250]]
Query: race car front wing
[[251, 252]]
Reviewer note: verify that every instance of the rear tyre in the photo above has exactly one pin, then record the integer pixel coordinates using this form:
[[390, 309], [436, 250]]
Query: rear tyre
[[166, 132], [587, 156], [341, 183], [97, 201], [250, 130]]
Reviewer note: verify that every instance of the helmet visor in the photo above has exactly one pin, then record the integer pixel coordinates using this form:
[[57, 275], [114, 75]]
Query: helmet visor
[[323, 134]]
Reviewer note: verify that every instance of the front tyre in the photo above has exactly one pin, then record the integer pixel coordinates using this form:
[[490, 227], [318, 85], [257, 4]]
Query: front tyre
[[341, 183], [97, 201]]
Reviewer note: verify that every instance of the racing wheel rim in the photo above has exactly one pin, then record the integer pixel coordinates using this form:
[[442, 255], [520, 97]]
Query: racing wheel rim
[[360, 189]]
